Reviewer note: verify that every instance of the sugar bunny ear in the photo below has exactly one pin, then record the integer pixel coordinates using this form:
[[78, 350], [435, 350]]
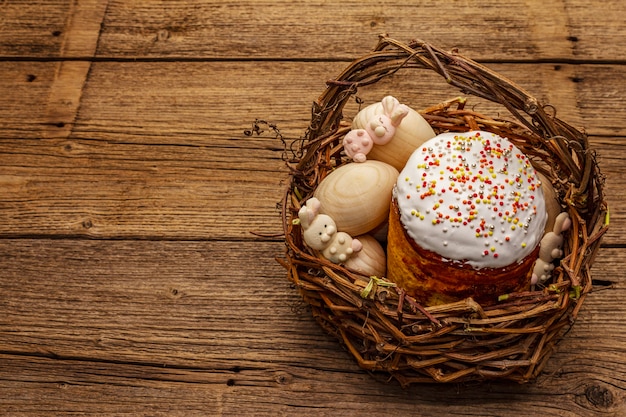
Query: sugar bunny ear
[[398, 114], [389, 104], [307, 213], [562, 223], [394, 110]]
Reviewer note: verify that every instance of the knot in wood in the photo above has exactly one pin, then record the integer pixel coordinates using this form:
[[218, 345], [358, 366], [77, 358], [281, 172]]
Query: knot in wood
[[162, 35], [282, 378], [599, 396]]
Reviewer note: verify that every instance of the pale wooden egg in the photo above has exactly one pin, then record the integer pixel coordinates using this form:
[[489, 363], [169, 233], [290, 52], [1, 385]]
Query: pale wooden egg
[[357, 195], [553, 207], [410, 134], [370, 260]]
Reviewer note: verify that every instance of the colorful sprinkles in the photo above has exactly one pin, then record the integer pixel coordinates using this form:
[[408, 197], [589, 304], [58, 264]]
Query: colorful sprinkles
[[479, 182]]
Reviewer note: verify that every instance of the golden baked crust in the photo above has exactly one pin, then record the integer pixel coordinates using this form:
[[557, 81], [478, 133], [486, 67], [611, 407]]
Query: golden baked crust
[[432, 279]]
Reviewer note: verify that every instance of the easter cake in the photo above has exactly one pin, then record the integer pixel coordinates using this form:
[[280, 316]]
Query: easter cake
[[467, 217]]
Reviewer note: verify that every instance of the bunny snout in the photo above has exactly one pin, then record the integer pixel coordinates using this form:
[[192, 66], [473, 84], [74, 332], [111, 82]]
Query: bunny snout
[[327, 234]]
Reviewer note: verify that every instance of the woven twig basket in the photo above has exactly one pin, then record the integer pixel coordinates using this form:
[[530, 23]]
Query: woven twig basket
[[388, 331]]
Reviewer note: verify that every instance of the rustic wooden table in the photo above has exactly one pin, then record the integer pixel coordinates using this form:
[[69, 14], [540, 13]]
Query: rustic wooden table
[[134, 279]]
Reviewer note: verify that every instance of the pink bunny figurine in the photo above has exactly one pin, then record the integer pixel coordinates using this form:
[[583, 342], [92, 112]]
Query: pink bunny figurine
[[357, 144], [379, 130]]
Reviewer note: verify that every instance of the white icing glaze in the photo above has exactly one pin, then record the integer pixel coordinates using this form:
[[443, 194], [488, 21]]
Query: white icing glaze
[[472, 197]]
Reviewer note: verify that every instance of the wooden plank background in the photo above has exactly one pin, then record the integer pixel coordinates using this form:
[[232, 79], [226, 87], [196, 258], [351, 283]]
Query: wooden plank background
[[132, 276]]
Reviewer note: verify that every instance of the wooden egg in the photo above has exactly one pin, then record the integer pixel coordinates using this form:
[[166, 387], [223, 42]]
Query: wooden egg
[[370, 260], [410, 134], [357, 195], [553, 207]]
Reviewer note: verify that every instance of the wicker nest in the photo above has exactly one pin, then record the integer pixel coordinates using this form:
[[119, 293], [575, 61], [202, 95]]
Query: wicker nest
[[385, 329]]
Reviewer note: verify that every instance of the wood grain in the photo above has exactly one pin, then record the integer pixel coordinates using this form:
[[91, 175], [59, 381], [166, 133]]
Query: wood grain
[[158, 323], [89, 388], [147, 159], [99, 189], [528, 30], [80, 38], [205, 97]]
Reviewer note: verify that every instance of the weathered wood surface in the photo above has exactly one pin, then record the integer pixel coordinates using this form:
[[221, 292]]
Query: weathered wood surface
[[148, 158], [285, 29], [130, 281], [118, 321]]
